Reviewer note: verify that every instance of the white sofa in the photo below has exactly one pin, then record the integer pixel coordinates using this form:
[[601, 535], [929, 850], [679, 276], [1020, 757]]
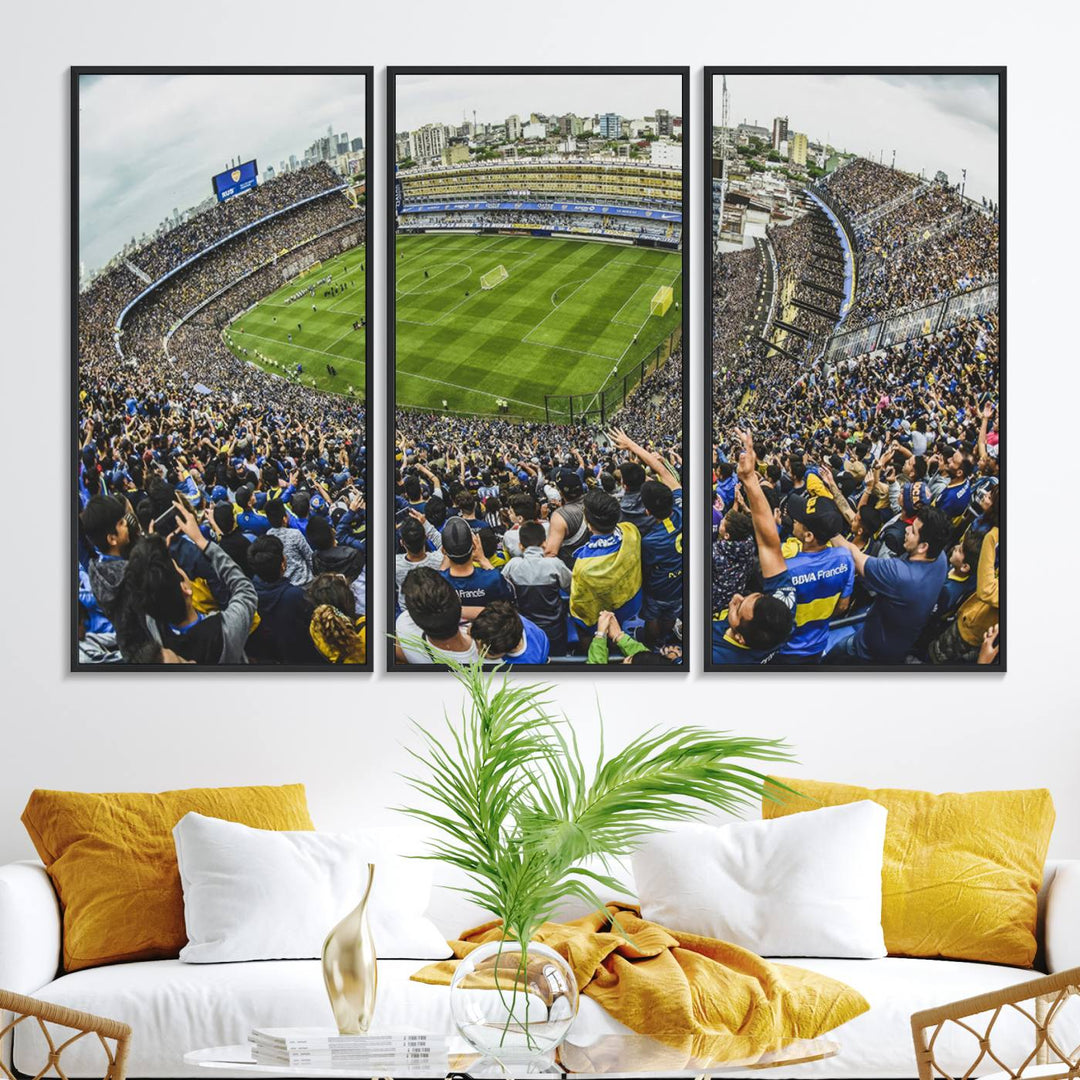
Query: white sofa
[[175, 1007]]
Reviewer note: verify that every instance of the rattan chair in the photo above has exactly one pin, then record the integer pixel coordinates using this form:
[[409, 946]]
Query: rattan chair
[[107, 1031], [1040, 1002]]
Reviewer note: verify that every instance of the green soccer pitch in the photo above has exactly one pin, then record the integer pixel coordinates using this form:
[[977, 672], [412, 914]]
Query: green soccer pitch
[[561, 322], [327, 336]]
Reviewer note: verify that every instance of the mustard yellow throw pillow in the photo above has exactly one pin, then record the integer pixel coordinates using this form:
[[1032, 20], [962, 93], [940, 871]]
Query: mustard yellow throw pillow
[[113, 864], [961, 872]]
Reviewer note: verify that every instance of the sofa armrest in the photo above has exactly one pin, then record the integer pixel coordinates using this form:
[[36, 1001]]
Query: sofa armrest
[[29, 928], [1062, 930]]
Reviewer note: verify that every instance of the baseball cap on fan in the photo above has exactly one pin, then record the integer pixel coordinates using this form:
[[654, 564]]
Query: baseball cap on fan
[[912, 496], [818, 513], [457, 537]]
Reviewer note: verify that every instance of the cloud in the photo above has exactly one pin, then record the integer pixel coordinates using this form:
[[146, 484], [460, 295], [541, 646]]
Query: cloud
[[149, 143], [971, 97], [946, 122]]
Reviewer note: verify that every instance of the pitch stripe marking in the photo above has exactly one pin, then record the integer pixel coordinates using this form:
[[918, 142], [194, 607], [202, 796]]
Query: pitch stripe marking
[[466, 299], [615, 370], [567, 348], [470, 389], [304, 348], [474, 295], [409, 292], [584, 282], [620, 322]]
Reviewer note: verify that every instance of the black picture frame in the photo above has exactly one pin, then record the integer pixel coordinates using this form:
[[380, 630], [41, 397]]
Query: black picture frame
[[367, 72], [392, 72], [711, 74]]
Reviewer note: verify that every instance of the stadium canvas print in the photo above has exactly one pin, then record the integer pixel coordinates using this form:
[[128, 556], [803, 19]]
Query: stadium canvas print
[[537, 257], [854, 354], [221, 362]]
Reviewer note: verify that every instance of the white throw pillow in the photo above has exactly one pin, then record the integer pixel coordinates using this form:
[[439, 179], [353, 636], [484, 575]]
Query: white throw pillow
[[259, 894], [804, 885]]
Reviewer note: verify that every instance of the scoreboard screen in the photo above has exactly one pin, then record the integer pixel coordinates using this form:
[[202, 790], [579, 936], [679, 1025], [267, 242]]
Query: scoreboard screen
[[234, 181]]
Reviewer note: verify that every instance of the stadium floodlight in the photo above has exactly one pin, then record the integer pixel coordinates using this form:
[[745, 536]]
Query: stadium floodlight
[[661, 300], [494, 277]]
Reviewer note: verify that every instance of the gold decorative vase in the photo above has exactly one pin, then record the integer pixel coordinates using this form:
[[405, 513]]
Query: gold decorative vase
[[349, 968]]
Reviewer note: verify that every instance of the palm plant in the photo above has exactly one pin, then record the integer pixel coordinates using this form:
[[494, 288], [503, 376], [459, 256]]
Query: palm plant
[[517, 809]]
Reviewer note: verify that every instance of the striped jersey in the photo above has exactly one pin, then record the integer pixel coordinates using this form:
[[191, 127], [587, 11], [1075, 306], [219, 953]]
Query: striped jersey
[[821, 579]]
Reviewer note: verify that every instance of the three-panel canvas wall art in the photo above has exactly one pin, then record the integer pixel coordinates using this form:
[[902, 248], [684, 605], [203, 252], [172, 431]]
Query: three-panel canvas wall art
[[543, 482]]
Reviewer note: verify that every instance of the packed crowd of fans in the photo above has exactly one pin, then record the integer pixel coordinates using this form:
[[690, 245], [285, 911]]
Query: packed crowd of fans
[[798, 250], [736, 281], [930, 246], [863, 185], [223, 510], [529, 542], [169, 250], [794, 246], [145, 327], [961, 257], [197, 343], [856, 501], [928, 210], [654, 410], [596, 224]]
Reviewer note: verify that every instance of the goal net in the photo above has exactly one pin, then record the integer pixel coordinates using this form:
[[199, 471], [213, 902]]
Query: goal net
[[661, 300], [494, 277]]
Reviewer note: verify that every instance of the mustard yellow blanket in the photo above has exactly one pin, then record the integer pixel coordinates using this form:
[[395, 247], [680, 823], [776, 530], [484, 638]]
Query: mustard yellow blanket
[[706, 998]]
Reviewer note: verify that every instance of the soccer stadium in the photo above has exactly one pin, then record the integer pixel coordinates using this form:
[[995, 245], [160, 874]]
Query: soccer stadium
[[539, 401], [515, 295], [221, 487], [855, 360], [312, 330]]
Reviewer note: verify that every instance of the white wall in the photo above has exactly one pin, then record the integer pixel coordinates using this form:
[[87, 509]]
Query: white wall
[[341, 735]]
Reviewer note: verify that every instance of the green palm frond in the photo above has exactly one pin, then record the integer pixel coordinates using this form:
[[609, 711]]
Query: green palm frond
[[516, 808]]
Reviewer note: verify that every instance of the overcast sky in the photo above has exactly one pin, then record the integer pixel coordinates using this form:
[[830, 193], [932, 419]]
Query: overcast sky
[[933, 122], [440, 99], [148, 143]]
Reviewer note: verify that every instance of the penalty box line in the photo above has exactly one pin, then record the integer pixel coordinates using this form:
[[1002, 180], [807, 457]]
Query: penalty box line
[[399, 296], [614, 318], [618, 363], [475, 294], [648, 285]]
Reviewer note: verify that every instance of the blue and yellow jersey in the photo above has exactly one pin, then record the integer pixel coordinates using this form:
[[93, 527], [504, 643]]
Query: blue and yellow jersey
[[607, 574], [821, 579], [957, 588], [727, 649], [953, 501], [661, 553]]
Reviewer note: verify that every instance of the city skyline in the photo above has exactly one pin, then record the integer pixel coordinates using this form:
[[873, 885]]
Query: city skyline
[[442, 99], [949, 122], [149, 143]]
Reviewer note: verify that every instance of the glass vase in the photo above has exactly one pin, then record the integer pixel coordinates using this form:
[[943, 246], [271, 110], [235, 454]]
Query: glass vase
[[514, 1004], [350, 970]]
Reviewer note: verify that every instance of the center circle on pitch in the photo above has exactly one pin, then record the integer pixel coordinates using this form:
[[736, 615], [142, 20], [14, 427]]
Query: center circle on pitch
[[441, 276]]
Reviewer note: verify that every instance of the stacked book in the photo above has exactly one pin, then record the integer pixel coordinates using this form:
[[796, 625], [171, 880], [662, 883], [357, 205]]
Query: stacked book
[[402, 1049]]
